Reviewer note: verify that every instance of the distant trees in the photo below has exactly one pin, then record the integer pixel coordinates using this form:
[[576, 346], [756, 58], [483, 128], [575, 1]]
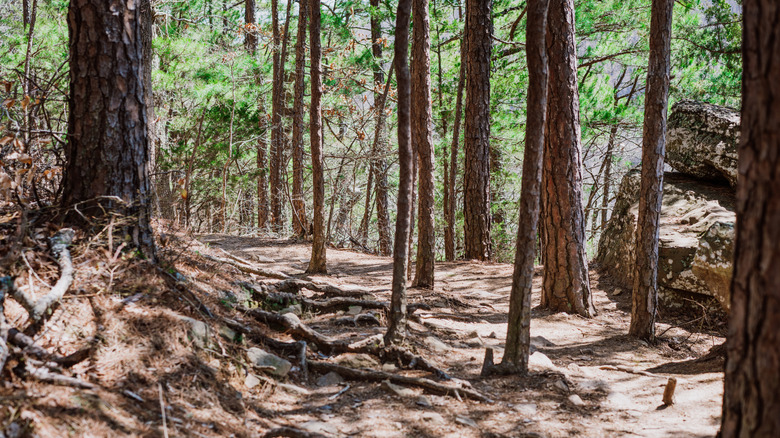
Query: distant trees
[[565, 284], [107, 152], [751, 397], [476, 174], [645, 293]]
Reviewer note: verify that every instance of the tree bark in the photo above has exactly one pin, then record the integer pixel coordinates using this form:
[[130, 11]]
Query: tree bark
[[645, 292], [317, 264], [250, 37], [396, 328], [476, 175], [277, 107], [299, 221], [108, 149], [422, 138], [449, 238], [518, 340], [751, 399], [566, 287]]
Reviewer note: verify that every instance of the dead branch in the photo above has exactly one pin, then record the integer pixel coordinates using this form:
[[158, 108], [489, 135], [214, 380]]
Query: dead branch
[[28, 345], [45, 375], [378, 376], [248, 268]]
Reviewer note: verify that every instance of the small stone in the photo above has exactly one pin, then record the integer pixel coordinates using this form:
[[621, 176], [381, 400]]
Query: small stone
[[330, 379], [198, 332], [251, 381], [576, 400], [354, 310], [357, 360], [540, 362], [320, 427], [389, 367], [492, 335], [560, 384], [437, 345], [423, 401], [263, 359], [228, 333], [294, 309], [433, 417], [526, 409], [466, 421], [397, 390], [293, 388]]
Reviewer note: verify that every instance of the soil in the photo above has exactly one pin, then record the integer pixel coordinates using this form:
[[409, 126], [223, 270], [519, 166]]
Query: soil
[[600, 382]]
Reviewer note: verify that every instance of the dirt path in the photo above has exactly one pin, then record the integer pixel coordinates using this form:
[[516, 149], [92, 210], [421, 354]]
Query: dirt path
[[468, 312]]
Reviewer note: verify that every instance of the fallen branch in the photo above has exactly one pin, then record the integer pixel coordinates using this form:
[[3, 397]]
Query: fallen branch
[[628, 370], [248, 268], [378, 376], [44, 375], [28, 345]]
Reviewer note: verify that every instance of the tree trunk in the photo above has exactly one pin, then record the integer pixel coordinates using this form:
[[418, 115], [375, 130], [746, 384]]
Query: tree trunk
[[317, 264], [751, 399], [566, 287], [277, 107], [108, 149], [449, 238], [299, 221], [476, 176], [262, 168], [250, 37], [422, 138], [380, 139], [518, 339], [396, 327], [645, 292], [607, 176]]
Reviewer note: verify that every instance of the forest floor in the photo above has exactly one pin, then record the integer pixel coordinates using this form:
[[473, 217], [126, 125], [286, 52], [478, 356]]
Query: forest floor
[[597, 381]]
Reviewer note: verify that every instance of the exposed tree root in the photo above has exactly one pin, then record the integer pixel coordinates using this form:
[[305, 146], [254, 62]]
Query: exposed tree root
[[249, 269], [28, 345], [378, 376], [294, 285], [291, 432]]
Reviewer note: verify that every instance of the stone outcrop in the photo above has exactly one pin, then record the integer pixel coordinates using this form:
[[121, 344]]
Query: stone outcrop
[[695, 242], [702, 139]]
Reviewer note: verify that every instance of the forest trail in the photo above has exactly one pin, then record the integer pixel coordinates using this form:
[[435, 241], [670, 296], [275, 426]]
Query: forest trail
[[468, 310]]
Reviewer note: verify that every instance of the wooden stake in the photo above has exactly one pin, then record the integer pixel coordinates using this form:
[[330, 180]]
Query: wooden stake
[[669, 391]]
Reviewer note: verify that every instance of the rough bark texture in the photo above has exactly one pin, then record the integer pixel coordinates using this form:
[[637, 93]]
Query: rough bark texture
[[108, 149], [277, 143], [449, 236], [422, 137], [380, 139], [262, 169], [396, 327], [299, 222], [566, 287], [250, 37], [518, 340], [645, 292], [476, 174], [751, 400], [317, 264]]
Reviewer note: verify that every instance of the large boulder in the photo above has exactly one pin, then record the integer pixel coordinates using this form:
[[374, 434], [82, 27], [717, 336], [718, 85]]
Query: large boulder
[[701, 141], [696, 241]]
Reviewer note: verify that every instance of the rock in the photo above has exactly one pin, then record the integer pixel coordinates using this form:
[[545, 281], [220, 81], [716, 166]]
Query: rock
[[576, 400], [398, 390], [702, 139], [423, 401], [293, 388], [263, 359], [320, 427], [229, 334], [354, 310], [465, 421], [251, 381], [433, 417], [540, 362], [526, 409], [357, 360], [437, 345], [695, 243], [295, 309], [330, 379], [389, 367], [560, 384], [198, 332]]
